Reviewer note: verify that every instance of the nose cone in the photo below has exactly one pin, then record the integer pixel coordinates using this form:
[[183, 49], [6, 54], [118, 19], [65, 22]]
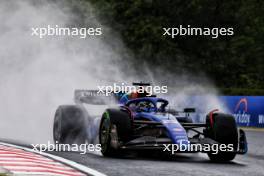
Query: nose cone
[[176, 132]]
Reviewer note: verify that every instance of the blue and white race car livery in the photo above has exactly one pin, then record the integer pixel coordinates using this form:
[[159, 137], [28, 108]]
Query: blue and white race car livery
[[140, 122]]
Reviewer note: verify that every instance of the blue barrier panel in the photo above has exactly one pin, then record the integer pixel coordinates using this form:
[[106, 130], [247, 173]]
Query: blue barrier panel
[[247, 110]]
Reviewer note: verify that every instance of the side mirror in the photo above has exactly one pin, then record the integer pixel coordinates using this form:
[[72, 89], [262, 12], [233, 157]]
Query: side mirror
[[189, 110], [172, 111]]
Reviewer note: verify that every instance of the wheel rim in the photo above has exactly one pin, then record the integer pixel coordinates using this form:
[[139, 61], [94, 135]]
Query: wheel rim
[[104, 134]]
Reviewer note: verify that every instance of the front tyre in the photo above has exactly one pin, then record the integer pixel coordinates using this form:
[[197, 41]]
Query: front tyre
[[223, 130], [115, 130]]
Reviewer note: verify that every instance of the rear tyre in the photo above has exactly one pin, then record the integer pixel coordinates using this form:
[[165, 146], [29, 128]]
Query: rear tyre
[[115, 130], [223, 130], [69, 125]]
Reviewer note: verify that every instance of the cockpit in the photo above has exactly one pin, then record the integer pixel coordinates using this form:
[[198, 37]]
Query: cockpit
[[147, 104]]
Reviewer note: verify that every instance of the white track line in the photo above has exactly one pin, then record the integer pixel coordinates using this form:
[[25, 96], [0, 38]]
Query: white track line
[[63, 160], [37, 173]]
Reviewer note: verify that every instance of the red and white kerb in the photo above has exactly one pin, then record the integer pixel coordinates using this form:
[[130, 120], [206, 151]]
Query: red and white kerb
[[18, 161]]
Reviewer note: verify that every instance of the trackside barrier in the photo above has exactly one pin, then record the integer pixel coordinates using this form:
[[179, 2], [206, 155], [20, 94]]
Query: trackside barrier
[[247, 110]]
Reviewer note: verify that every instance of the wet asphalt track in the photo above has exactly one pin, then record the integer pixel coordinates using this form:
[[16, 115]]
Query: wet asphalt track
[[251, 164]]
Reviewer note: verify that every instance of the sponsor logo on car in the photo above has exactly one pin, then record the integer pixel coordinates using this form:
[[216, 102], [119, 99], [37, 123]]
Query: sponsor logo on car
[[170, 121], [177, 129]]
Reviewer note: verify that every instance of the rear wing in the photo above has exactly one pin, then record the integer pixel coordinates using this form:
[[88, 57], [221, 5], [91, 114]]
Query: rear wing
[[100, 98], [94, 97]]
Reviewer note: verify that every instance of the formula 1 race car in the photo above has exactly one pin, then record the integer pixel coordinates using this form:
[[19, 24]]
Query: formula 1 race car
[[143, 123]]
